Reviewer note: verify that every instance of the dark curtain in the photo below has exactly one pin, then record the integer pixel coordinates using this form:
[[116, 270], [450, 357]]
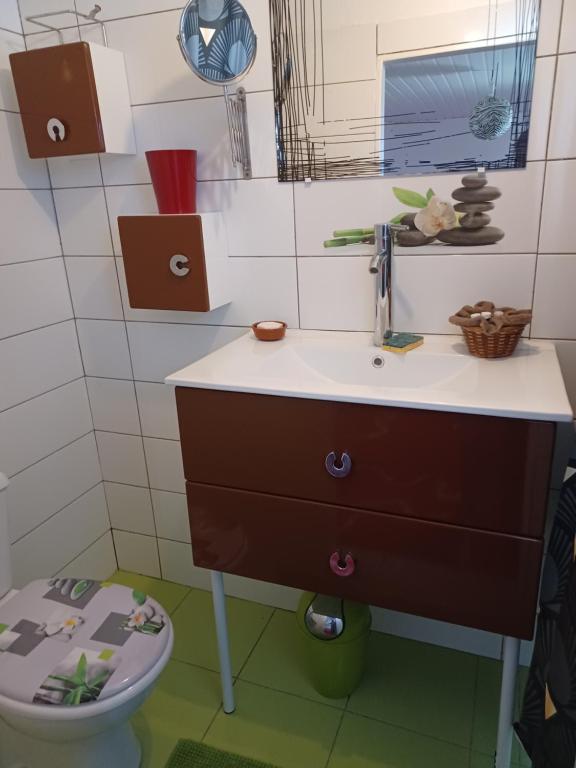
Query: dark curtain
[[547, 725]]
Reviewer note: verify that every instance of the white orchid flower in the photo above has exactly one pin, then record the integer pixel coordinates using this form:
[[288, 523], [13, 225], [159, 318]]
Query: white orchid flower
[[437, 216], [139, 616], [66, 626]]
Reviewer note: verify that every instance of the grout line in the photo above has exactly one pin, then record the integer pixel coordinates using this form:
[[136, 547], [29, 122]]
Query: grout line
[[83, 551], [31, 261], [256, 642], [69, 504], [133, 378], [333, 745], [56, 450], [41, 394]]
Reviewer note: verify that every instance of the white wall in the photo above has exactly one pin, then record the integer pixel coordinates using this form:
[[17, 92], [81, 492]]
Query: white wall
[[57, 507], [279, 267]]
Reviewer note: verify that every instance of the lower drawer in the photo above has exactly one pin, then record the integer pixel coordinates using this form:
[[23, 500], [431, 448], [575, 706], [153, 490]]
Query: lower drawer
[[461, 575]]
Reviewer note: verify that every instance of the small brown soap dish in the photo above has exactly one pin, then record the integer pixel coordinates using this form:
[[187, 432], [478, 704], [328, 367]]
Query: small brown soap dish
[[269, 330]]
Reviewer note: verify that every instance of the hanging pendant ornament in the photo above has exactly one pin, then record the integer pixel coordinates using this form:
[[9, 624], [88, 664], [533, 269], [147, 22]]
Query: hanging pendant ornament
[[492, 115]]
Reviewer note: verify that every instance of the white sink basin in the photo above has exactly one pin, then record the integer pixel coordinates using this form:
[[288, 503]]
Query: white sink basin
[[440, 375]]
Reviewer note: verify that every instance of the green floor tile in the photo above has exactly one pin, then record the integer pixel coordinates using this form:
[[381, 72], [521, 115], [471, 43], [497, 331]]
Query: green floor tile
[[276, 662], [419, 687], [485, 727], [182, 706], [364, 743], [278, 728], [195, 633], [168, 594]]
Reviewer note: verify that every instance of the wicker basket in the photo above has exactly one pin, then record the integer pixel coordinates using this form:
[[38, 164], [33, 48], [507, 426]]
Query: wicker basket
[[499, 344]]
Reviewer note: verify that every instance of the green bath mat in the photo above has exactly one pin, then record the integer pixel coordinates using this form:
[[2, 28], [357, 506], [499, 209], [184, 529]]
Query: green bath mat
[[191, 754]]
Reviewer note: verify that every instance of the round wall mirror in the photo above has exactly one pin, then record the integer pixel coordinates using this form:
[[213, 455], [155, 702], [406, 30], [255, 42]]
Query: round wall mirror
[[217, 40]]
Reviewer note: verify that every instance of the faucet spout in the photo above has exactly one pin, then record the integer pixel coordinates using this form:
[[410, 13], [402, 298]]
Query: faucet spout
[[381, 266]]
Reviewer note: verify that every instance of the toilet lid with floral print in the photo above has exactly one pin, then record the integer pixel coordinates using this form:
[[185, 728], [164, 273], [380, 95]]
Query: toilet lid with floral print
[[76, 641]]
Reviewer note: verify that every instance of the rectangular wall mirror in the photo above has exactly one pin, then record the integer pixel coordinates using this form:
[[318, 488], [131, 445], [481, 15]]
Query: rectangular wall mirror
[[370, 88]]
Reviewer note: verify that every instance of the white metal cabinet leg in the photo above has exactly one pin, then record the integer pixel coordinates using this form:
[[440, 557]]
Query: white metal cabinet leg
[[219, 600], [507, 695]]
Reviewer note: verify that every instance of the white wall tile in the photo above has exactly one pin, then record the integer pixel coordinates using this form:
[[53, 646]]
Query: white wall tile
[[53, 351], [567, 356], [549, 29], [167, 126], [160, 349], [260, 288], [128, 201], [458, 279], [563, 125], [98, 562], [32, 7], [94, 287], [17, 170], [336, 293], [83, 222], [554, 305], [33, 294], [126, 8], [47, 39], [164, 460], [9, 43], [541, 106], [28, 225], [323, 207], [137, 553], [60, 539], [568, 31], [171, 515], [10, 15], [74, 171], [177, 565], [165, 76], [122, 458], [29, 432], [130, 508], [45, 488], [157, 405], [113, 404], [557, 234], [258, 215], [104, 348]]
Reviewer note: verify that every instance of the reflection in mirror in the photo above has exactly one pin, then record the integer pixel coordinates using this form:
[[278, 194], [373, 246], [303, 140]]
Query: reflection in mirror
[[217, 40], [372, 88]]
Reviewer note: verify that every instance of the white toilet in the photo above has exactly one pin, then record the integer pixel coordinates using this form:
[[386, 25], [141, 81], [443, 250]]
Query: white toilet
[[77, 660]]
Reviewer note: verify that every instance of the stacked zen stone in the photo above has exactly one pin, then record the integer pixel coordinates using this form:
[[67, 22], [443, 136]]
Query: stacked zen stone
[[474, 199]]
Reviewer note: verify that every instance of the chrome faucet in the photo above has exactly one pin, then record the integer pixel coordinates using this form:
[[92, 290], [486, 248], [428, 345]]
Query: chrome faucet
[[381, 266]]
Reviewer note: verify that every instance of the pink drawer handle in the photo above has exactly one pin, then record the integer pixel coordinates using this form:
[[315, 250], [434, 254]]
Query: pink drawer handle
[[342, 570]]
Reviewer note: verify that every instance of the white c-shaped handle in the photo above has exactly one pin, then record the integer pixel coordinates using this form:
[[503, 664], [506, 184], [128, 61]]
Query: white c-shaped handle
[[176, 265]]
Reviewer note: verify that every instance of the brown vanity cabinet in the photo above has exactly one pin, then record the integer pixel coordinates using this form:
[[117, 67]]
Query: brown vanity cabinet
[[433, 513]]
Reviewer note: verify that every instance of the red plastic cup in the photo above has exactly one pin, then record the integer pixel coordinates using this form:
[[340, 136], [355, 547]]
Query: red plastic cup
[[173, 173]]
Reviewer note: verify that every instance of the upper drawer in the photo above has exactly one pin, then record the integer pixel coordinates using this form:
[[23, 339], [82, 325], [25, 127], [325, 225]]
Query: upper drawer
[[486, 472]]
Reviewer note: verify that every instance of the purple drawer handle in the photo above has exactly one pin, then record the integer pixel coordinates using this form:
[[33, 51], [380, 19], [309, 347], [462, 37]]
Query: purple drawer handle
[[336, 566], [343, 469]]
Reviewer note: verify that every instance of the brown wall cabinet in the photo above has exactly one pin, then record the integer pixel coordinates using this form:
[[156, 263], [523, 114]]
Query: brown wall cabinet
[[74, 100], [175, 262]]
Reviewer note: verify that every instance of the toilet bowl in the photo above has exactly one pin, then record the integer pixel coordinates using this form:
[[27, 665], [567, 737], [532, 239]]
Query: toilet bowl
[[77, 659]]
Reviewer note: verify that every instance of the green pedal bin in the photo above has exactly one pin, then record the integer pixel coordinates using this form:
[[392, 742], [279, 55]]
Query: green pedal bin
[[333, 640]]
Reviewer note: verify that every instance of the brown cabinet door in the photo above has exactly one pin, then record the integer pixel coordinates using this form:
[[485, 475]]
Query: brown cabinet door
[[475, 578], [164, 262], [479, 471], [57, 97]]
